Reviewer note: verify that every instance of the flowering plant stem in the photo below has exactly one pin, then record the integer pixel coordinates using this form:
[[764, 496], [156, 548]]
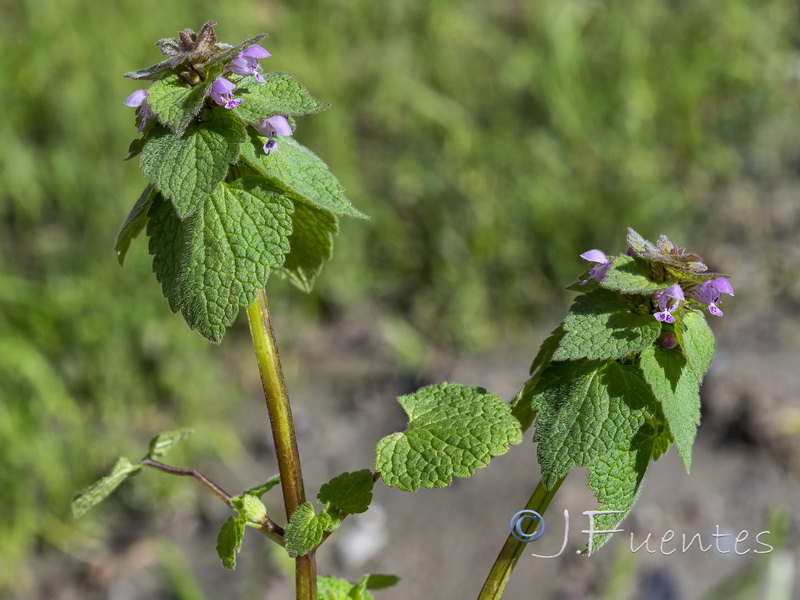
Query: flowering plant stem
[[509, 555], [280, 417]]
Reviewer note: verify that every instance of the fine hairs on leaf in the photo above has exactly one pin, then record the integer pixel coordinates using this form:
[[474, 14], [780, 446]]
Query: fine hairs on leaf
[[164, 442], [101, 489], [187, 168], [348, 492], [214, 262], [123, 469], [304, 531], [452, 430], [332, 588], [229, 541], [175, 103]]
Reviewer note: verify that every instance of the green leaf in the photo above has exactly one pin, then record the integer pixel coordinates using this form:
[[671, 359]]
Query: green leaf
[[154, 71], [176, 103], [697, 341], [135, 222], [164, 442], [600, 415], [547, 350], [102, 488], [303, 532], [380, 582], [300, 171], [522, 408], [330, 518], [587, 409], [676, 387], [522, 405], [136, 145], [262, 489], [229, 541], [359, 590], [583, 288], [187, 168], [656, 434], [604, 324], [452, 430], [216, 260], [631, 275], [311, 244], [281, 94], [616, 479], [349, 492], [638, 243], [332, 588], [662, 438], [250, 508]]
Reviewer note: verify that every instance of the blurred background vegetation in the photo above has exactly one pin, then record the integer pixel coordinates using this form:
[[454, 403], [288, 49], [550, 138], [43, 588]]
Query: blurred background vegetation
[[491, 142]]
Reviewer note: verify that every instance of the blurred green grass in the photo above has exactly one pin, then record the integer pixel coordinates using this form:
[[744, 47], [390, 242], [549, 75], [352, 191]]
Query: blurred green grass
[[490, 142]]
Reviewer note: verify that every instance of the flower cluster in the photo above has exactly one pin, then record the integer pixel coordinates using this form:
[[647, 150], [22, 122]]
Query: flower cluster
[[221, 92], [665, 263]]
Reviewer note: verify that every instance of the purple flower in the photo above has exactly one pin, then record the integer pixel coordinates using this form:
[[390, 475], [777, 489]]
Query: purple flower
[[246, 62], [597, 273], [709, 292], [277, 125], [221, 93], [664, 313], [139, 99], [136, 98]]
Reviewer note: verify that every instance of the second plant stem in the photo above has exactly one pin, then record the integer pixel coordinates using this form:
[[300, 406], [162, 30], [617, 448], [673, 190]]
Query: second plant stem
[[280, 417]]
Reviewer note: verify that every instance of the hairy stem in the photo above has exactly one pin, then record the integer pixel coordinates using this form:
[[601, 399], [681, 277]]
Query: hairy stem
[[280, 418], [512, 549]]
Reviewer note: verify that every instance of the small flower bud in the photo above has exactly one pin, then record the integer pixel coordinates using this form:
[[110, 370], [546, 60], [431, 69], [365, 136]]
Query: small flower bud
[[191, 77], [668, 339]]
